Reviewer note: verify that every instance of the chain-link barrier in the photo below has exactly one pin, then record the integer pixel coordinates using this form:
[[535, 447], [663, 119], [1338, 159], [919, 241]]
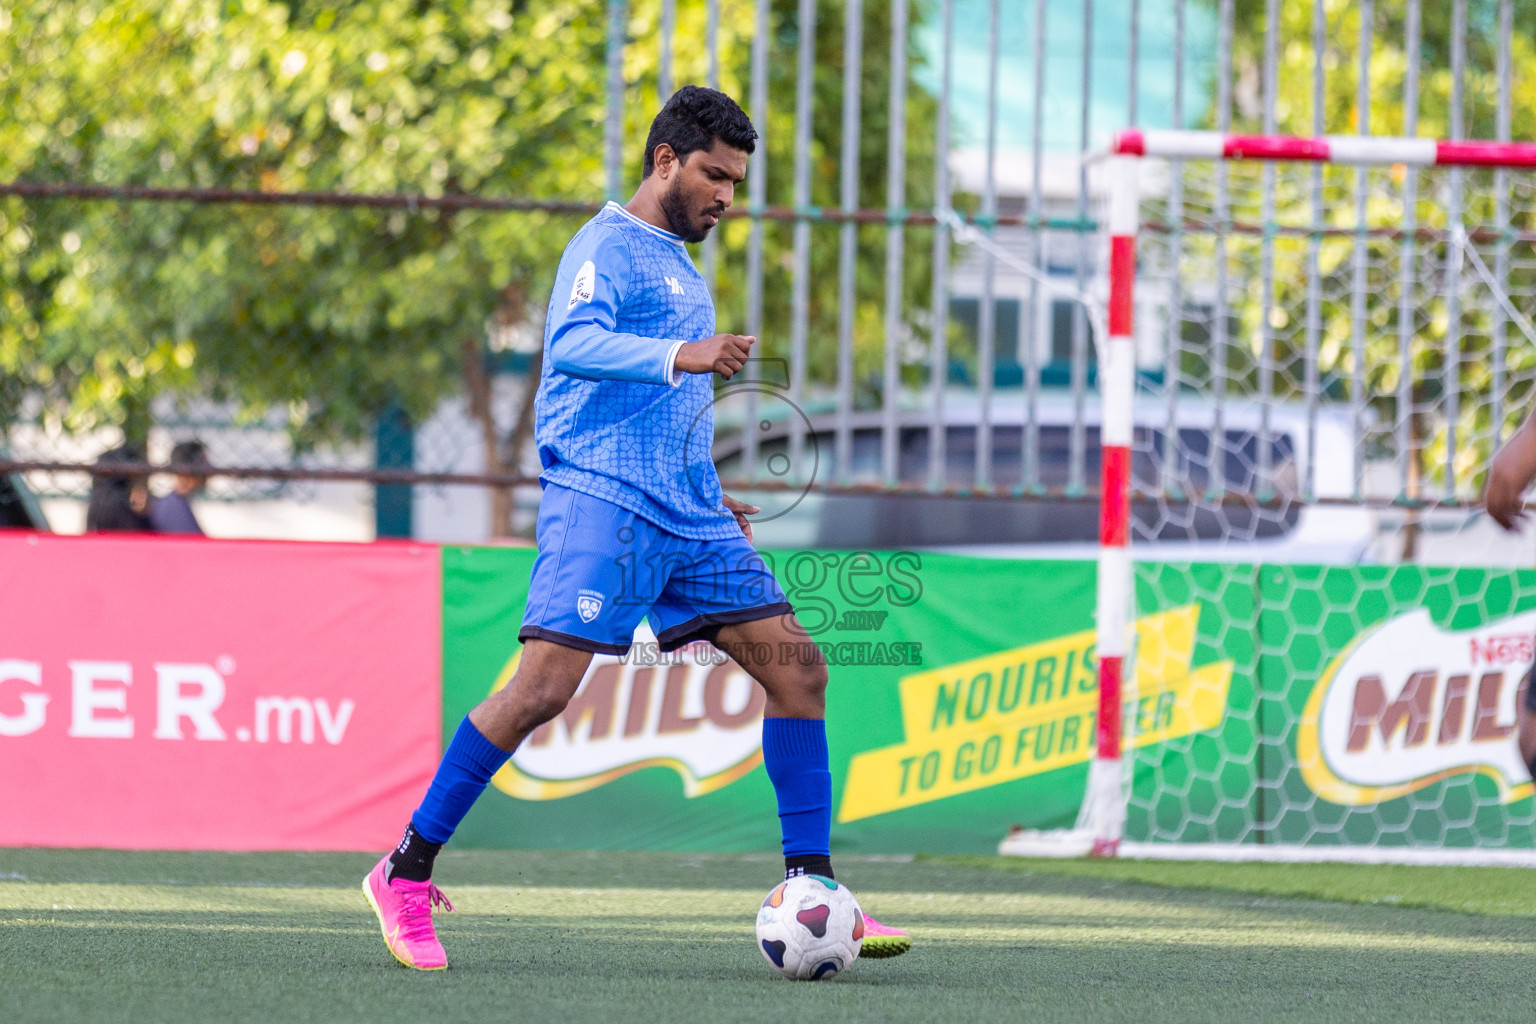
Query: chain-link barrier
[[328, 340]]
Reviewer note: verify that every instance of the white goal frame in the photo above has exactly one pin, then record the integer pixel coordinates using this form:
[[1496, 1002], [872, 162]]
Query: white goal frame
[[1100, 828]]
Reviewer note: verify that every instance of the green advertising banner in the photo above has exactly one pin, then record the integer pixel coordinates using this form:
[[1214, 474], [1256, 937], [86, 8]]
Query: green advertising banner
[[1200, 786], [1272, 704], [1388, 705], [962, 701]]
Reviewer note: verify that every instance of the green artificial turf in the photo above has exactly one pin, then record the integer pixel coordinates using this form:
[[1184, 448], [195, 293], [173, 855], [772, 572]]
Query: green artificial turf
[[576, 937], [1499, 891]]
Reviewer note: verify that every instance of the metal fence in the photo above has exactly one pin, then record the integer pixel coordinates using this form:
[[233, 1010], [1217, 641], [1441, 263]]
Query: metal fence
[[914, 230]]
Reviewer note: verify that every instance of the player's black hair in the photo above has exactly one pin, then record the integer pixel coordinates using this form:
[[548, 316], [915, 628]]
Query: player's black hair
[[693, 119]]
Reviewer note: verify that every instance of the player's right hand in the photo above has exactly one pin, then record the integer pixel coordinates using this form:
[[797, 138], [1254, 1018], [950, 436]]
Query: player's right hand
[[724, 354], [1504, 497]]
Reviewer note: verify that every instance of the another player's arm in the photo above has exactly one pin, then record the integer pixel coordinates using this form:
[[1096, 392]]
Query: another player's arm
[[1512, 470], [1525, 733]]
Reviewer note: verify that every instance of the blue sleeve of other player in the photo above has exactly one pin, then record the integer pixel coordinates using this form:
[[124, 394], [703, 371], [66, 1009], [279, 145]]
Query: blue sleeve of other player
[[583, 342]]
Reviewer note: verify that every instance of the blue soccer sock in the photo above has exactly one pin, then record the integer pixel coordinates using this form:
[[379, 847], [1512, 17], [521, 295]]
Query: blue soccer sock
[[466, 768], [795, 756]]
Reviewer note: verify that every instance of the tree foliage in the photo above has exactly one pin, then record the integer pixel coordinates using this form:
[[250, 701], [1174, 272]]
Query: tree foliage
[[329, 313], [1449, 347], [826, 141]]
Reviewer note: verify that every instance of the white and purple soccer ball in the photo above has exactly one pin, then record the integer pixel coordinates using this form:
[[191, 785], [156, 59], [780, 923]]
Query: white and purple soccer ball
[[810, 928]]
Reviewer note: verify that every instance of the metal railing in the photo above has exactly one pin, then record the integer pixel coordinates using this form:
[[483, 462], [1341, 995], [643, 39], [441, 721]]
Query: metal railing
[[924, 278]]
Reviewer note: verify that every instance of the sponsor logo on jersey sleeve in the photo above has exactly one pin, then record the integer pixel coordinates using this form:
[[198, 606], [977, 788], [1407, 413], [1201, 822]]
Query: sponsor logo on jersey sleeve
[[581, 291]]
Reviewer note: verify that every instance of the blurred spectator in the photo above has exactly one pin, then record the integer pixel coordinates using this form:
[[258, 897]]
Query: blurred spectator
[[118, 502], [173, 512]]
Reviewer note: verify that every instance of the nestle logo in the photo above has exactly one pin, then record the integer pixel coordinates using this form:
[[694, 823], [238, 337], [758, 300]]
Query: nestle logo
[[1518, 649]]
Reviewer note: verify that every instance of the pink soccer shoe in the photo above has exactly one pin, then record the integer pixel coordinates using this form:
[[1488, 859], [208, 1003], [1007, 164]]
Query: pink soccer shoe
[[405, 916], [881, 941]]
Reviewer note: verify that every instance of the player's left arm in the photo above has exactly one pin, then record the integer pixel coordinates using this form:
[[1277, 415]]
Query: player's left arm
[[584, 338], [741, 510]]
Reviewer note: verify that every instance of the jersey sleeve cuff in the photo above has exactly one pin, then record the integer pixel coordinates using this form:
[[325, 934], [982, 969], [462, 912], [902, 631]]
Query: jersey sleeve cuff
[[673, 374]]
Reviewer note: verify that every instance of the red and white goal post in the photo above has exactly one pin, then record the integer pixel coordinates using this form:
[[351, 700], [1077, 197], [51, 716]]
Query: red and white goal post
[[1429, 262]]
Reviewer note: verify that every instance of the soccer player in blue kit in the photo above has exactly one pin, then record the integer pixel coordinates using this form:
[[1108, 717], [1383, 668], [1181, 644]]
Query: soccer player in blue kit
[[624, 429]]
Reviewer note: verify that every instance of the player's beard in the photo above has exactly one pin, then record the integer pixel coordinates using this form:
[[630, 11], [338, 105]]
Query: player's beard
[[675, 205]]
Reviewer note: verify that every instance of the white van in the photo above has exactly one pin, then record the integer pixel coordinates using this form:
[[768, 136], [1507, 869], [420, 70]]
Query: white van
[[1183, 523]]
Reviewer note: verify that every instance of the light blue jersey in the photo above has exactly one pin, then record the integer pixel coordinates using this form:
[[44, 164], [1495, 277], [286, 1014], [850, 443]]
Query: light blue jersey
[[615, 420]]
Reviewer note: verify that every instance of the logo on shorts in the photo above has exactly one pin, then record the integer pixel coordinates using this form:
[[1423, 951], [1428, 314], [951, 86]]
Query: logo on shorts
[[588, 604], [581, 291]]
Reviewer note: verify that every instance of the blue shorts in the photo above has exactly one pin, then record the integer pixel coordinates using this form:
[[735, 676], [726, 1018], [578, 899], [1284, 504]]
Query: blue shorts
[[602, 568]]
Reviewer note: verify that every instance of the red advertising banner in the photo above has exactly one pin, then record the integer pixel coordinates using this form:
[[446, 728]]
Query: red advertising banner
[[161, 692]]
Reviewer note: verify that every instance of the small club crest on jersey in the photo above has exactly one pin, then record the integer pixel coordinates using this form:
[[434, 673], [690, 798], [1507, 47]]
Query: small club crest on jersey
[[588, 604], [581, 291]]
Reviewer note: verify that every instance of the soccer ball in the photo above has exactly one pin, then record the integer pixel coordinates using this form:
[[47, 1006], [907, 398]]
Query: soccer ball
[[810, 928]]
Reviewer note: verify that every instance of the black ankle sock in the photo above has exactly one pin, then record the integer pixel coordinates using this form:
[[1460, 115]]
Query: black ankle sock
[[412, 859], [815, 864]]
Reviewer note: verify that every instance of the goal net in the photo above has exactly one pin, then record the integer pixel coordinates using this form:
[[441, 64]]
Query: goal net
[[1312, 642]]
